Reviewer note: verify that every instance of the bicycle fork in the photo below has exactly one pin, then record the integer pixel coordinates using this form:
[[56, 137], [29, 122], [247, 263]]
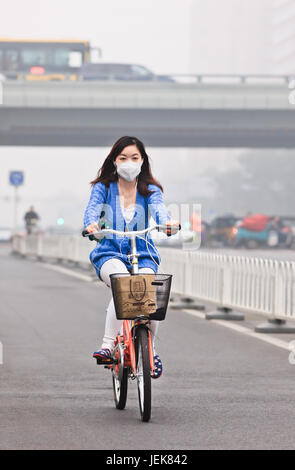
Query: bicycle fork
[[129, 334]]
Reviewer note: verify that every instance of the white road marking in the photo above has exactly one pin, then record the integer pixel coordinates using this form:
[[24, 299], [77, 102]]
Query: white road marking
[[245, 331], [195, 313], [69, 272]]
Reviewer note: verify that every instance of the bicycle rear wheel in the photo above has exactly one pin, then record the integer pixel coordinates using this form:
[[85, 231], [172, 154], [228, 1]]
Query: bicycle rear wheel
[[143, 373]]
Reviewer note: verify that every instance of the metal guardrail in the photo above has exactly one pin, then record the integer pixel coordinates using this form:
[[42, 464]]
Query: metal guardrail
[[68, 248], [250, 284], [232, 79], [245, 283], [186, 78]]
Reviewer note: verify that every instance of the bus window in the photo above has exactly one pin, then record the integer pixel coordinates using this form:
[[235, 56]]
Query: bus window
[[61, 57], [12, 60], [139, 70], [33, 57], [67, 58]]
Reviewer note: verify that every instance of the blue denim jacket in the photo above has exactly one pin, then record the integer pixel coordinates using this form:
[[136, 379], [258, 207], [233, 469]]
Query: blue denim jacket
[[113, 246]]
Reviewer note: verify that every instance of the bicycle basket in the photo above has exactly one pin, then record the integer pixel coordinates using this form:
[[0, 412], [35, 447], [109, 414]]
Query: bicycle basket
[[141, 295]]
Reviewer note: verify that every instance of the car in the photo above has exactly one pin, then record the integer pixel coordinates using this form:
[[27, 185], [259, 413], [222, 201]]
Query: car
[[5, 234], [276, 232], [222, 230], [290, 221], [119, 71]]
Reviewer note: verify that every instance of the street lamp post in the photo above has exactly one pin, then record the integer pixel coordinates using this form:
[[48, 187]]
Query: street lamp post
[[16, 179]]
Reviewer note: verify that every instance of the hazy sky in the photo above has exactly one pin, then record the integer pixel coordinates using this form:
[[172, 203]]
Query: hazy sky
[[57, 179], [155, 33]]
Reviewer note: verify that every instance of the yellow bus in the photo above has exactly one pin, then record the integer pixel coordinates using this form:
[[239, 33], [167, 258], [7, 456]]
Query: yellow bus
[[30, 59]]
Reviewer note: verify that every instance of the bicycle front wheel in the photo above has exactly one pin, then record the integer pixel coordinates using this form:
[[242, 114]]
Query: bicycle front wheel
[[120, 378], [120, 388], [143, 373]]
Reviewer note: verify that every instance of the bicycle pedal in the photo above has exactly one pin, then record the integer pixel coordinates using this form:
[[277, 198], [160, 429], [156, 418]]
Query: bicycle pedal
[[103, 362]]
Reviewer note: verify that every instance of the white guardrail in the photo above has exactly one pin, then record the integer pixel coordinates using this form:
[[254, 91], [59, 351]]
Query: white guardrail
[[246, 283]]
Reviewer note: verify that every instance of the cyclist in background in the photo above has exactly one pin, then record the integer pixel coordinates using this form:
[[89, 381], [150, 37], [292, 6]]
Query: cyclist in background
[[127, 191], [31, 217]]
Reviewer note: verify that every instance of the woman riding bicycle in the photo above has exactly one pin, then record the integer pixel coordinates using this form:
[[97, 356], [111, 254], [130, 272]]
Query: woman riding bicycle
[[126, 194]]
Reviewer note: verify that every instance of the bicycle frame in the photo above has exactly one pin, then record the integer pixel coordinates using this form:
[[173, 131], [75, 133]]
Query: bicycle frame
[[127, 341], [129, 327]]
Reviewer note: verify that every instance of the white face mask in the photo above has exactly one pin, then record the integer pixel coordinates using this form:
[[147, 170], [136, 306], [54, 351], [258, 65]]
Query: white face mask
[[129, 170]]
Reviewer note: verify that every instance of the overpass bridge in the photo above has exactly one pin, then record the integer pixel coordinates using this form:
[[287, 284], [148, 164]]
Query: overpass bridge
[[192, 111]]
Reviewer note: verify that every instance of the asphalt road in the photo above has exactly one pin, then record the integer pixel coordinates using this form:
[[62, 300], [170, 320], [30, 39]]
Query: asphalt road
[[219, 389]]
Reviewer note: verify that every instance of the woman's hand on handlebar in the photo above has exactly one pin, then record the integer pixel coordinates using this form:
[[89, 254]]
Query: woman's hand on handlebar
[[172, 227], [92, 227]]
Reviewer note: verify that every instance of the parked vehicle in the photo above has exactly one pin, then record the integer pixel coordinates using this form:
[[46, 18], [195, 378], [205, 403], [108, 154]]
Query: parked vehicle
[[291, 222], [273, 232], [124, 72], [5, 234], [222, 230]]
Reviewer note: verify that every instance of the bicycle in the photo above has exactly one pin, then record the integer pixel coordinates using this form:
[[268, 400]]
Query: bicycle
[[133, 355]]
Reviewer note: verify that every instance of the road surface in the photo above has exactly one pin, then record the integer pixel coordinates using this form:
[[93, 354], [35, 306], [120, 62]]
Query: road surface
[[220, 389]]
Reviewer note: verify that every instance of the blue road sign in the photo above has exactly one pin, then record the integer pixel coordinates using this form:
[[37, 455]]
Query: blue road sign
[[16, 178]]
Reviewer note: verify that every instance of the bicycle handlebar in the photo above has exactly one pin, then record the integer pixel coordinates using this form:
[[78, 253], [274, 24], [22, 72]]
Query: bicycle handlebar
[[162, 227]]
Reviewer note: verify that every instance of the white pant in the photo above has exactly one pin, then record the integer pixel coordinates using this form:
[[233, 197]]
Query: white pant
[[112, 325]]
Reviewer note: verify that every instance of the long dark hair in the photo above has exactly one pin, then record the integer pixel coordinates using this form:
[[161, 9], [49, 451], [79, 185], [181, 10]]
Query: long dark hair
[[107, 173]]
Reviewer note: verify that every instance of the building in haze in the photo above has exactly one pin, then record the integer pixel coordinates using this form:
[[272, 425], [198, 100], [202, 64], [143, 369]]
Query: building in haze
[[282, 23], [242, 36]]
